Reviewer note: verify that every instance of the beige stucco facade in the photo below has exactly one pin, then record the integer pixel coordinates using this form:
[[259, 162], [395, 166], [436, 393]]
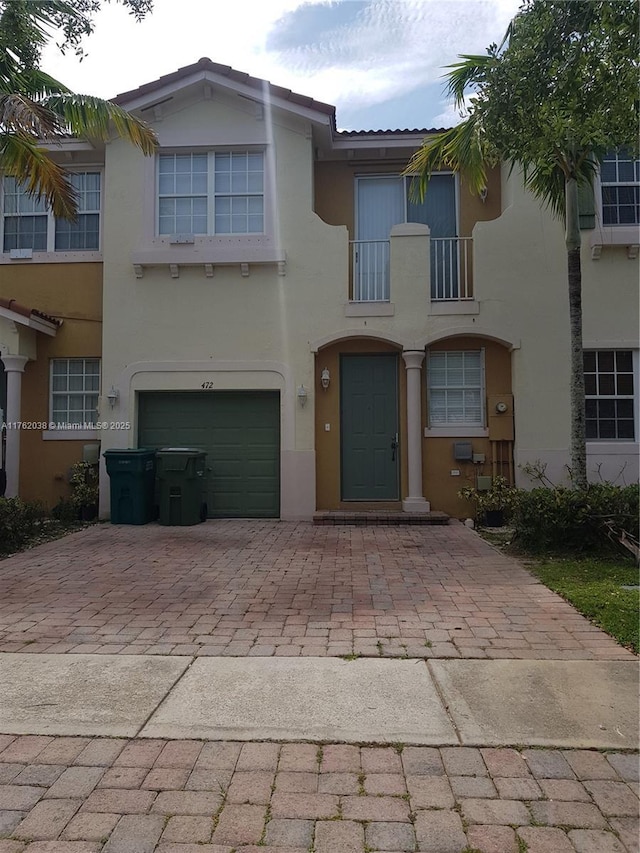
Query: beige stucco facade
[[271, 311]]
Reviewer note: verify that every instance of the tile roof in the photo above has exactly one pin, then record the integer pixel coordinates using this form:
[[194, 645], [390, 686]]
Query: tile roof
[[17, 308], [205, 64], [398, 131]]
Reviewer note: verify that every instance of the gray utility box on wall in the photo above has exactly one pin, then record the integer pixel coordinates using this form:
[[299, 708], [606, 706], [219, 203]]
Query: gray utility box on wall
[[483, 483], [463, 451]]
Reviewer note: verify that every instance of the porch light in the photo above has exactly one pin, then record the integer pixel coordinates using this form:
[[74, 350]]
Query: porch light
[[113, 396], [483, 194], [302, 396], [325, 378]]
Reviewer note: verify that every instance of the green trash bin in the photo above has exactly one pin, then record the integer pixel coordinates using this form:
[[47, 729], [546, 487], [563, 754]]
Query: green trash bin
[[132, 476], [182, 485]]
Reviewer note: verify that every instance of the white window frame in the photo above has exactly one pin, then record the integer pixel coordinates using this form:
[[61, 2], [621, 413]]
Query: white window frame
[[84, 212], [618, 183], [603, 236], [458, 429], [53, 417], [634, 397], [50, 251], [212, 194]]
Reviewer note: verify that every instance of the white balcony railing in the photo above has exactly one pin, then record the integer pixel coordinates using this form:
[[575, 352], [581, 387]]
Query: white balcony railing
[[451, 269], [370, 270]]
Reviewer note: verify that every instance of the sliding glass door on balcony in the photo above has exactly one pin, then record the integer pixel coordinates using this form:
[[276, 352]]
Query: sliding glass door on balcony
[[385, 201], [380, 206], [438, 211]]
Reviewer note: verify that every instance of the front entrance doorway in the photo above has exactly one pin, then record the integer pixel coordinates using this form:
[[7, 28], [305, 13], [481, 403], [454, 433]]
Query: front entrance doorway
[[369, 427]]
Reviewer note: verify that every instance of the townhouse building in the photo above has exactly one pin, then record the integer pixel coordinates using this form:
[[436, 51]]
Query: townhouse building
[[269, 289]]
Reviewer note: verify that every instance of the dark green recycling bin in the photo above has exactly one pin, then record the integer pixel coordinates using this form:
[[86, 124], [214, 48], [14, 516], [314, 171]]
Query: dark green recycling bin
[[182, 485], [132, 474]]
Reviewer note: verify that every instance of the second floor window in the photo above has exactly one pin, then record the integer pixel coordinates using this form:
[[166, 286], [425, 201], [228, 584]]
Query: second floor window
[[29, 224], [620, 181], [214, 193]]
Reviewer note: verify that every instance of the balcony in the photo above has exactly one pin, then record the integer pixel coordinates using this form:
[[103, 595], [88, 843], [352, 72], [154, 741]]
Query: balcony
[[370, 260], [380, 266], [451, 269]]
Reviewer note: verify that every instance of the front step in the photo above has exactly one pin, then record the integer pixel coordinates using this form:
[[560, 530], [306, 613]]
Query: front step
[[373, 518]]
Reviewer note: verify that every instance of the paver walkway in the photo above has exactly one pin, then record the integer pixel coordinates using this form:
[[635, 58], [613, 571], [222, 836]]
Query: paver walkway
[[83, 795], [279, 588]]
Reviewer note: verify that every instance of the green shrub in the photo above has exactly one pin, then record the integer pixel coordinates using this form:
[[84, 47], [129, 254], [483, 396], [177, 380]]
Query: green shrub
[[84, 483], [561, 519], [501, 496], [65, 512], [18, 523]]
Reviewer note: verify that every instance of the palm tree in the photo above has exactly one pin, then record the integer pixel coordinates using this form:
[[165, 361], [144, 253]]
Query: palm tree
[[37, 112], [551, 99]]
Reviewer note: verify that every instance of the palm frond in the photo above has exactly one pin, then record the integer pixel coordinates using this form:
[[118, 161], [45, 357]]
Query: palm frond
[[547, 180], [547, 183], [19, 114], [22, 158], [460, 149], [471, 71], [39, 84], [84, 115]]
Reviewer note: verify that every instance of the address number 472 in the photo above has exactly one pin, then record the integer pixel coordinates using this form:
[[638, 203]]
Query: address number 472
[[207, 386]]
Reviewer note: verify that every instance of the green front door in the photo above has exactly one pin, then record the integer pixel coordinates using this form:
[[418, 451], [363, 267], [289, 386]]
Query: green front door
[[369, 427], [240, 433]]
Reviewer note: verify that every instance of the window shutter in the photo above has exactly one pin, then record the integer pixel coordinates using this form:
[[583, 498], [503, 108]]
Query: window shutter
[[586, 206]]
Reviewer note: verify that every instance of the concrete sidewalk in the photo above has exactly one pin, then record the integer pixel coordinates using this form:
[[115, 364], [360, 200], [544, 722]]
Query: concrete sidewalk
[[571, 704], [162, 755]]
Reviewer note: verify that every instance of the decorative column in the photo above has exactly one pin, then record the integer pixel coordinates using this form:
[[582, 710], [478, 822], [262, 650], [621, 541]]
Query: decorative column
[[415, 501], [14, 368]]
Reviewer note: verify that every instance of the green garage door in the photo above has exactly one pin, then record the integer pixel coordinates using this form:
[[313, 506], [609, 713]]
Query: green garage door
[[240, 432]]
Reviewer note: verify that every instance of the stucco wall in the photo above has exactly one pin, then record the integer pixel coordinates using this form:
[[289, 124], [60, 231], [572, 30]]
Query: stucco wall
[[227, 327], [262, 330], [335, 192], [71, 293], [441, 487], [521, 283]]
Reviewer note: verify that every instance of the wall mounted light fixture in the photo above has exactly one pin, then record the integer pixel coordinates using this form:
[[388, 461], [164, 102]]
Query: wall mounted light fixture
[[325, 378], [302, 396], [113, 396], [483, 194]]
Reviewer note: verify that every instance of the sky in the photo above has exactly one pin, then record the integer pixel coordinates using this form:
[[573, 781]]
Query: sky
[[379, 62]]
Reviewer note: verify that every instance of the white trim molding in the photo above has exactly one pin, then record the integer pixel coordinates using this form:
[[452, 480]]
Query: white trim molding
[[351, 334]]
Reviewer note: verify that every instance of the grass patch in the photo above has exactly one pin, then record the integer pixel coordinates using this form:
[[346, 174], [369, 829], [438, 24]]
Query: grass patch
[[594, 586]]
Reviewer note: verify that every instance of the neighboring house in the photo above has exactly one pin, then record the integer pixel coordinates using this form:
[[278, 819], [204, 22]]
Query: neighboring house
[[50, 330], [273, 294]]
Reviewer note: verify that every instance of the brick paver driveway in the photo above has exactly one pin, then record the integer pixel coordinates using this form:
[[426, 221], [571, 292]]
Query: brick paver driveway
[[268, 587], [82, 795]]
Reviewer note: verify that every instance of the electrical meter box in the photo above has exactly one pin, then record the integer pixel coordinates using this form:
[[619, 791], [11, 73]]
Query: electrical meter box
[[500, 410]]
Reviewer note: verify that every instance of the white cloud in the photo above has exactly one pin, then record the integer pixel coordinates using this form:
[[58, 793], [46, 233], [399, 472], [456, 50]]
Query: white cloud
[[396, 46], [390, 48], [450, 115]]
